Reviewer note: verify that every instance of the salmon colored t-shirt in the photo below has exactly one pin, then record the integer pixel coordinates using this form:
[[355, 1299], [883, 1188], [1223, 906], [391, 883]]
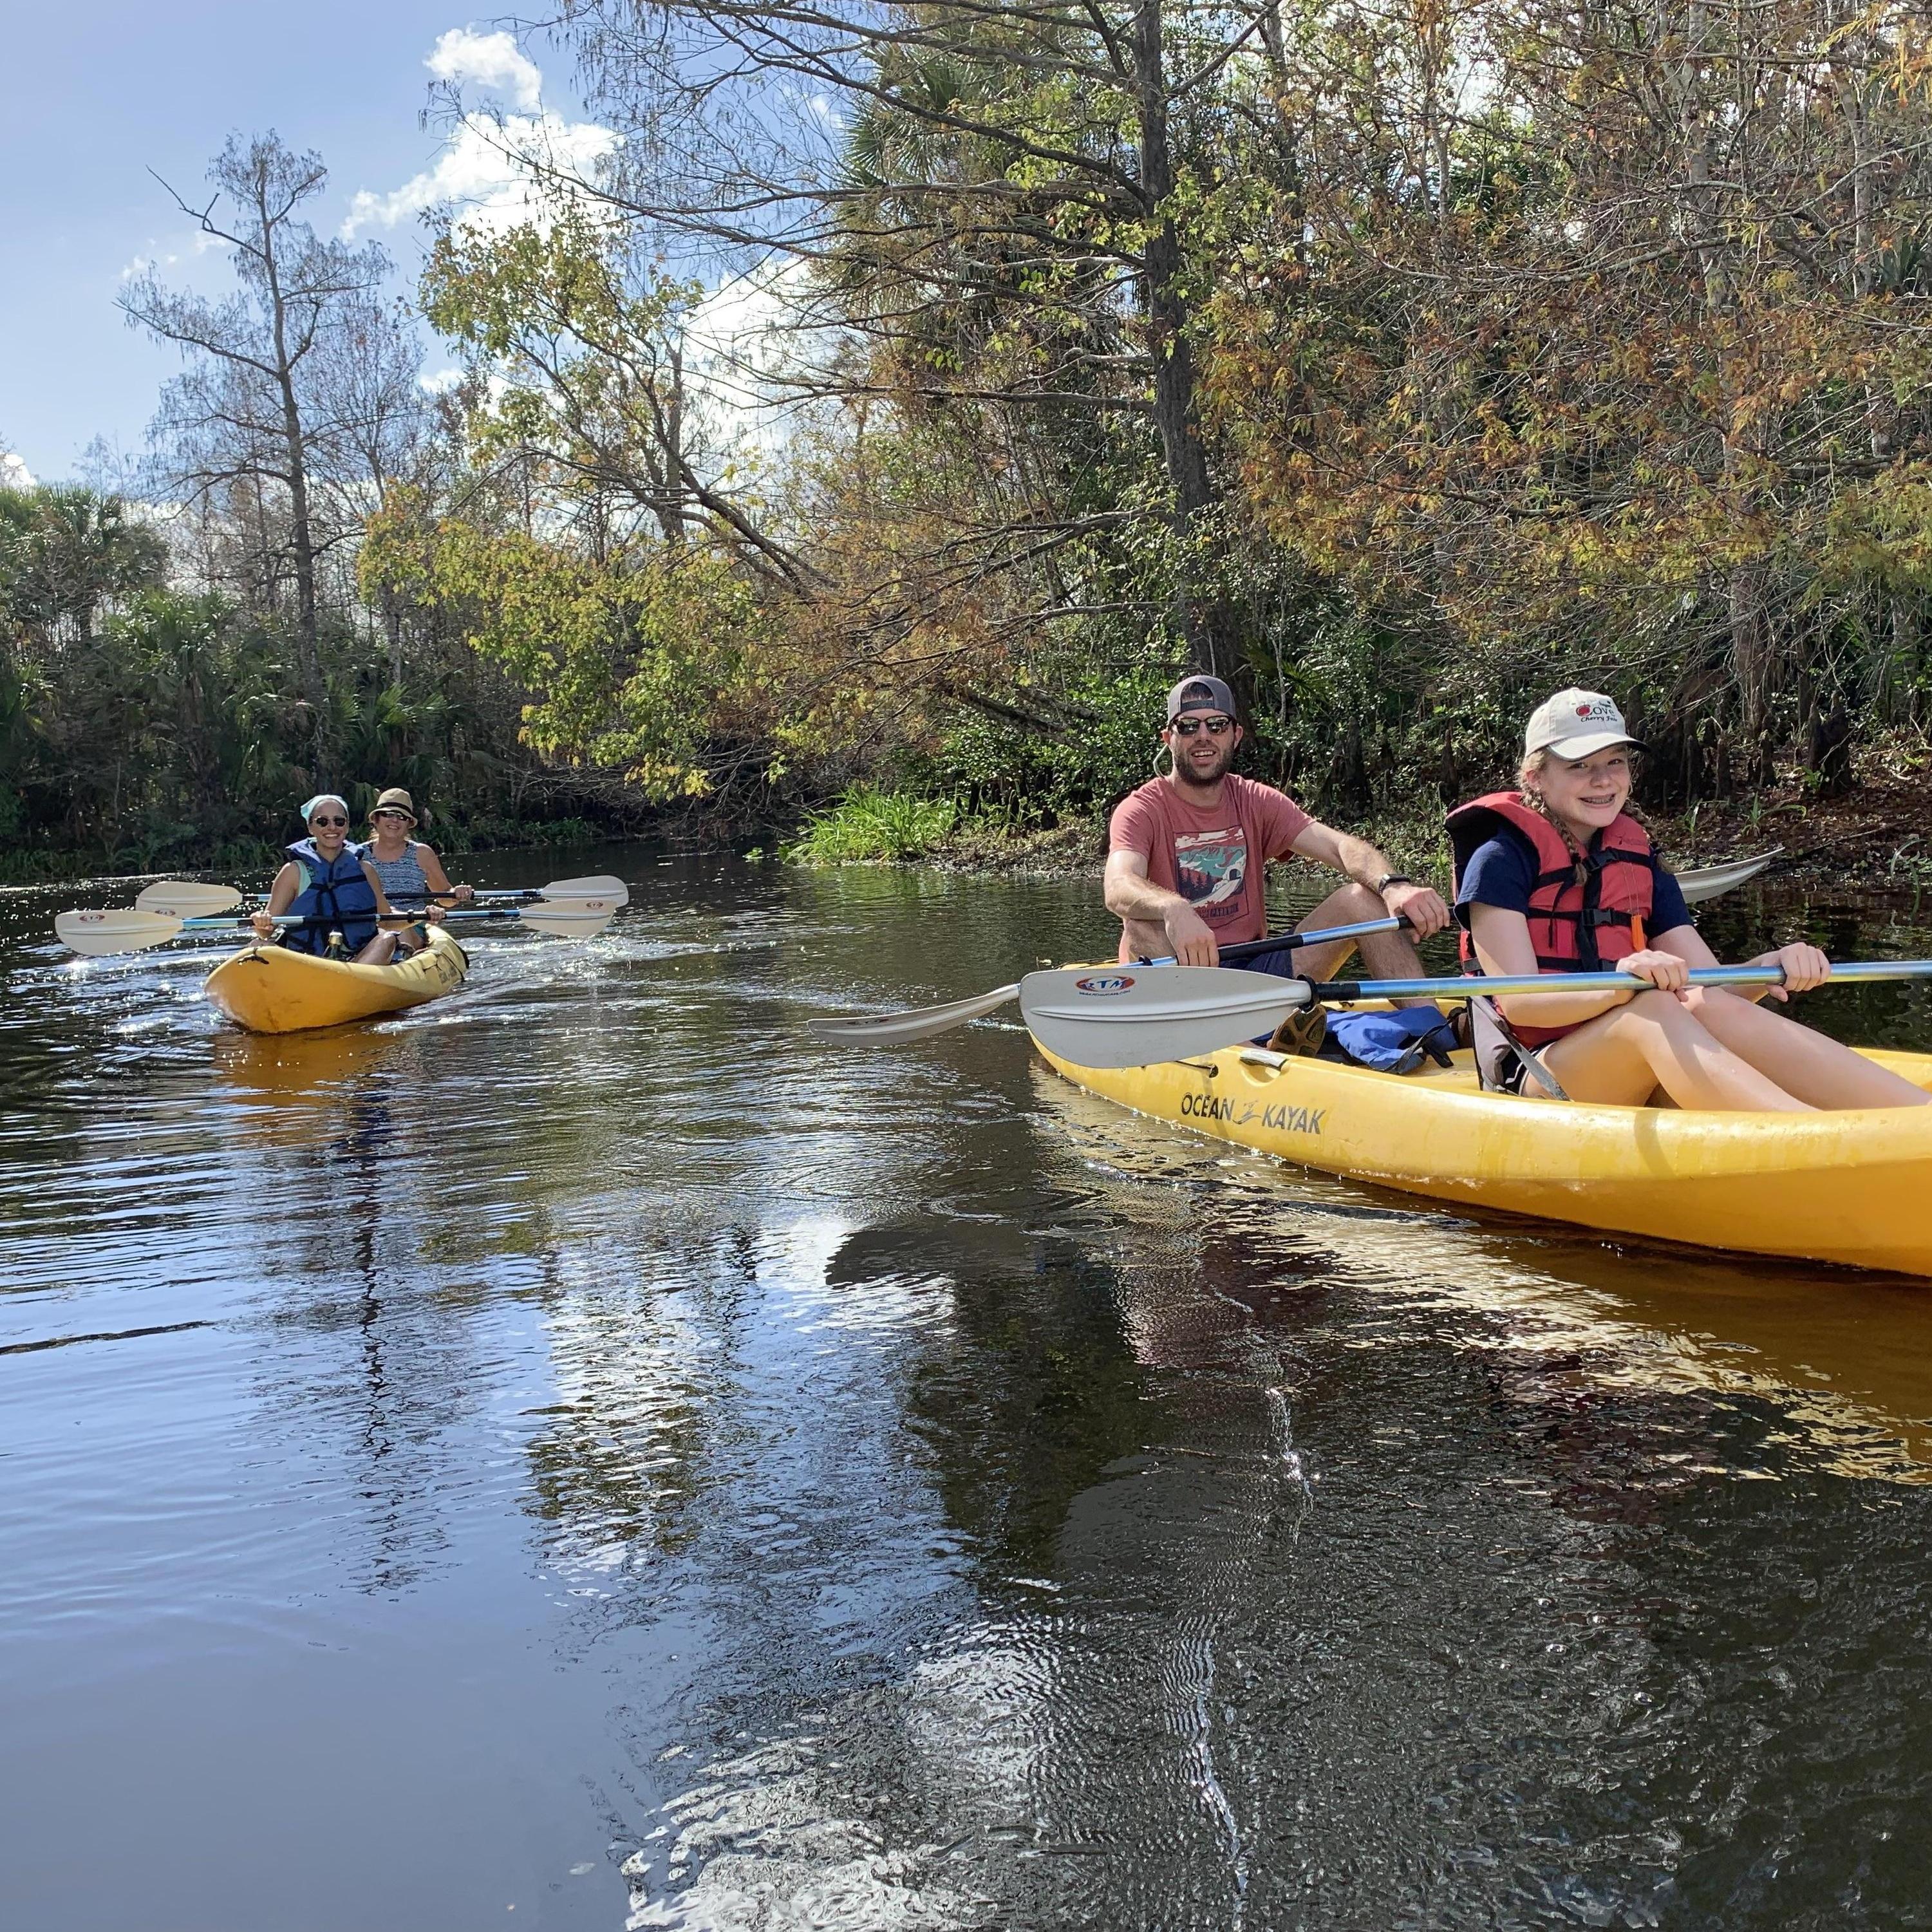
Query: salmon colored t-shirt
[[1213, 858]]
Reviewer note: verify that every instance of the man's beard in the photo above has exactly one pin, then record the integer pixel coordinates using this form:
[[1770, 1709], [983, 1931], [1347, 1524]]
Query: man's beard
[[1189, 774]]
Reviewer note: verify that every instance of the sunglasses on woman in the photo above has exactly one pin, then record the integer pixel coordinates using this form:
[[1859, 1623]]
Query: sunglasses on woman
[[1217, 726], [328, 821]]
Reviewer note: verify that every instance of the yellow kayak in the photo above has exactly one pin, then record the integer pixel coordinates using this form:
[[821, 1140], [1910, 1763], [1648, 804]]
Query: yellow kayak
[[270, 989], [1854, 1187]]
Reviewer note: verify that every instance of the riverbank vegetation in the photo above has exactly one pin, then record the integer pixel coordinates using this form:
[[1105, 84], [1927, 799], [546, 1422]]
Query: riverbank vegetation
[[918, 389]]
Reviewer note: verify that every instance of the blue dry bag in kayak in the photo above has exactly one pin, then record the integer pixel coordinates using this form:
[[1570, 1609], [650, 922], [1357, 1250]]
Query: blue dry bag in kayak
[[1394, 1041]]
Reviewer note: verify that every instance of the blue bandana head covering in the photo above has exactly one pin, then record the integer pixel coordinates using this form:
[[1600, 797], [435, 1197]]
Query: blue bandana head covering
[[324, 798]]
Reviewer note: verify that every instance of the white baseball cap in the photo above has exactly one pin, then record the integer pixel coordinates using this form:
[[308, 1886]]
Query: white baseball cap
[[1575, 723]]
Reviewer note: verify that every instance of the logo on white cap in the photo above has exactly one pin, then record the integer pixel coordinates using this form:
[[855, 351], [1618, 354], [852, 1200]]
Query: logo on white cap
[[1575, 723]]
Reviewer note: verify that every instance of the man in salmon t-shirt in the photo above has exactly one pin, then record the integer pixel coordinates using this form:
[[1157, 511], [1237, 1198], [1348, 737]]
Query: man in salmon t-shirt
[[1186, 852]]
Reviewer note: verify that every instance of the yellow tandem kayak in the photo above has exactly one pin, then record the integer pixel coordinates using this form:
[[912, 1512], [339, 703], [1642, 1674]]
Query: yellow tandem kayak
[[1854, 1187], [271, 989]]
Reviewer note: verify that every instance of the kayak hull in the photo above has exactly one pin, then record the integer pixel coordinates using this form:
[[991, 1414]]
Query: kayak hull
[[1854, 1187], [271, 989]]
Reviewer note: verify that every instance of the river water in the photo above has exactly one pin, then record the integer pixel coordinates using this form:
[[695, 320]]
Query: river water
[[582, 1455]]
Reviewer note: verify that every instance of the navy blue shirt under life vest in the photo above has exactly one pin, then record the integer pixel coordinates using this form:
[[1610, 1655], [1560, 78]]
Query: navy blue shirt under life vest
[[338, 895]]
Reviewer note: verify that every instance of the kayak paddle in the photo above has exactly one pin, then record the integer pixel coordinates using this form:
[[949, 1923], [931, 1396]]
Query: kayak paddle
[[132, 930], [1130, 1016], [186, 900], [1707, 882], [602, 886], [573, 918], [923, 1022]]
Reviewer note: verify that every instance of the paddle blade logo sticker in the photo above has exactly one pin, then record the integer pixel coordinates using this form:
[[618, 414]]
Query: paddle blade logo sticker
[[1104, 982]]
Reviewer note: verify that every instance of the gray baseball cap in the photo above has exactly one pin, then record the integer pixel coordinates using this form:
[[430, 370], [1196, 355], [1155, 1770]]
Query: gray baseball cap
[[1200, 694]]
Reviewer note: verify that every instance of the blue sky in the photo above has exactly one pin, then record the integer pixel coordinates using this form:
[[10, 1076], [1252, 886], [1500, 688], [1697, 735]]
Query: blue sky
[[104, 90]]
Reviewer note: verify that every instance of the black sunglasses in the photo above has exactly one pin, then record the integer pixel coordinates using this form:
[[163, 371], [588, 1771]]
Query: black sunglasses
[[328, 821], [1217, 726]]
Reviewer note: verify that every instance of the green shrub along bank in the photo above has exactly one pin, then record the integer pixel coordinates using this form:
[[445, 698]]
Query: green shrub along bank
[[867, 825]]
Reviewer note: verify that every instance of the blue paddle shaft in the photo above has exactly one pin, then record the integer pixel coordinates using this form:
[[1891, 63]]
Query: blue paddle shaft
[[1482, 985]]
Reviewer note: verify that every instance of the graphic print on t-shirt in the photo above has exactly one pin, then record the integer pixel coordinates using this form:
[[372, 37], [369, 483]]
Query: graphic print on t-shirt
[[1209, 868]]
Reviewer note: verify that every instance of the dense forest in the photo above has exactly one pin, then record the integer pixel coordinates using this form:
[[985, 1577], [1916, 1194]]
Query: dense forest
[[1398, 361]]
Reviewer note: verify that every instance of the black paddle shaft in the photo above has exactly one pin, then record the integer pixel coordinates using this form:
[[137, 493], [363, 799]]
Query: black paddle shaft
[[1285, 942]]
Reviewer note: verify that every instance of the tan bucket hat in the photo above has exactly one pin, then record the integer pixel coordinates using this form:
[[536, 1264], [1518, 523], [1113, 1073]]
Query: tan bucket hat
[[395, 799]]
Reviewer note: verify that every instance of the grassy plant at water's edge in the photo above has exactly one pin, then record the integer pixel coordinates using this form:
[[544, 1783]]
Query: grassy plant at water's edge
[[869, 826]]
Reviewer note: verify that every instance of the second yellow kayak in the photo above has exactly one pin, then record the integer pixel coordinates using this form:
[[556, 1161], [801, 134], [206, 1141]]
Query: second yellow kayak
[[271, 989], [1854, 1187]]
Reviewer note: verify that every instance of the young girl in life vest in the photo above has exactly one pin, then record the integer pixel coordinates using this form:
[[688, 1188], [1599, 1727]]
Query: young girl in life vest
[[1558, 878], [327, 883]]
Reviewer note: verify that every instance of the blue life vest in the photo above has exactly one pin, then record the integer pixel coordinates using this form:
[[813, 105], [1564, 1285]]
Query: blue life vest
[[339, 895]]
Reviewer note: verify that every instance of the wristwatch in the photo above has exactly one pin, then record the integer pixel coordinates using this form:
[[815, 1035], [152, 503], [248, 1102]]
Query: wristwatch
[[1389, 879]]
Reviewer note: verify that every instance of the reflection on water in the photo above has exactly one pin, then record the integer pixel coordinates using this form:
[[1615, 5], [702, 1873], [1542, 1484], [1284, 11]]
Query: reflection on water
[[584, 1449], [1840, 1349]]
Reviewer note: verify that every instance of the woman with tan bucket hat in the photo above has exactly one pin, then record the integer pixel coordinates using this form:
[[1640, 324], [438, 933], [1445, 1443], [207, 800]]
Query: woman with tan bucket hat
[[409, 872]]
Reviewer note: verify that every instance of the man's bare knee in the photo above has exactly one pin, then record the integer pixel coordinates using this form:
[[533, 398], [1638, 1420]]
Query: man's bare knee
[[1354, 904]]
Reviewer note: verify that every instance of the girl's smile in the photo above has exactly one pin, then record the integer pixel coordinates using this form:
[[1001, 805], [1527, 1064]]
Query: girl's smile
[[1588, 793]]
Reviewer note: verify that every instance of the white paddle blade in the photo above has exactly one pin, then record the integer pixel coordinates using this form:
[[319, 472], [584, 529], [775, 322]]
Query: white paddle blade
[[604, 887], [583, 920], [917, 1023], [97, 934], [1706, 882], [186, 900], [1136, 1015]]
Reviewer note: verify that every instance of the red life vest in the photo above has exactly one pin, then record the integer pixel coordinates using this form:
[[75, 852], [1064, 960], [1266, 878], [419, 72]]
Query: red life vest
[[1585, 914]]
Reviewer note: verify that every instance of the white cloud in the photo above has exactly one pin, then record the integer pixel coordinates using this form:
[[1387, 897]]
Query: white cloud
[[743, 346], [139, 265], [491, 173], [743, 326], [492, 60], [14, 475], [171, 254], [439, 381]]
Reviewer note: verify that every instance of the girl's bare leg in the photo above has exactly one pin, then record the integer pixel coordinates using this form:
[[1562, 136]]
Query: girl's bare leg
[[1656, 1041], [1817, 1069]]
